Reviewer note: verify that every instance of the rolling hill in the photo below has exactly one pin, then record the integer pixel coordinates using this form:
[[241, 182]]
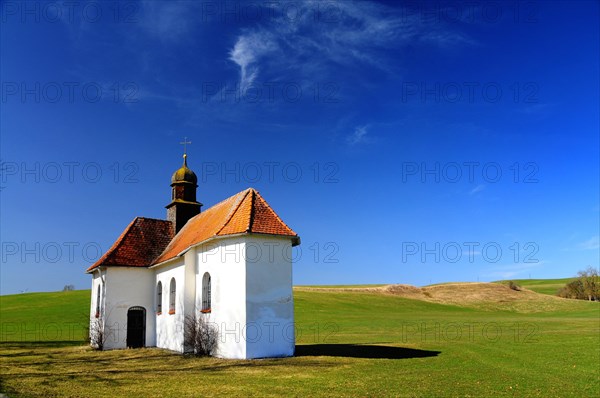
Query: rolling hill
[[544, 286], [533, 297]]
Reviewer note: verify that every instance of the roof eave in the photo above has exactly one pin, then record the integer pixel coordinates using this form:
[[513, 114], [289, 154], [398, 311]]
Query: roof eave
[[295, 242], [115, 265], [92, 270]]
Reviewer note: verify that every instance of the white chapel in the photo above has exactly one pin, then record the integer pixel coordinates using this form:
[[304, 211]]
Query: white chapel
[[230, 264]]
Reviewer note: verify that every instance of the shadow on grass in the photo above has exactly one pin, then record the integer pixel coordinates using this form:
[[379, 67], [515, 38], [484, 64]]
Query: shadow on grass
[[361, 351], [46, 344]]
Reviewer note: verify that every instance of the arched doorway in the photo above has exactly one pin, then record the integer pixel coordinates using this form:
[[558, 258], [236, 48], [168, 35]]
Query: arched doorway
[[136, 327]]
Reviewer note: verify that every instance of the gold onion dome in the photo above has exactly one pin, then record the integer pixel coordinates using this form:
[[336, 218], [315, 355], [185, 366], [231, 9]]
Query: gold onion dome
[[183, 174]]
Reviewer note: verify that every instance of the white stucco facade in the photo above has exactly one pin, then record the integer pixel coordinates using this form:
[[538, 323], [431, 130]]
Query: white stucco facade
[[269, 298], [169, 324], [121, 289], [251, 299], [224, 260]]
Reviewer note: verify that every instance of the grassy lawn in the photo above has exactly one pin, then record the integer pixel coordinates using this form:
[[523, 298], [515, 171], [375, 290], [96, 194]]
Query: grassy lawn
[[57, 316], [349, 344]]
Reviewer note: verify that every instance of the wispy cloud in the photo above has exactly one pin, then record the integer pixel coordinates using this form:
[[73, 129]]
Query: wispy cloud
[[168, 20], [511, 270], [592, 243], [246, 52], [477, 189], [352, 34], [536, 108], [358, 136]]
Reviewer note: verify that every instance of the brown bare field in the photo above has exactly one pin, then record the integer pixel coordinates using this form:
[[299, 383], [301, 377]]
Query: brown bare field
[[480, 295]]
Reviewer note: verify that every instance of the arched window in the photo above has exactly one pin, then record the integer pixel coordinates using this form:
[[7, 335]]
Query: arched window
[[172, 297], [206, 292], [98, 300], [159, 298]]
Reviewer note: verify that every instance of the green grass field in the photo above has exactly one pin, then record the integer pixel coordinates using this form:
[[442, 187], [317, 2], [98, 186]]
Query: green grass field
[[544, 286], [59, 316], [350, 343]]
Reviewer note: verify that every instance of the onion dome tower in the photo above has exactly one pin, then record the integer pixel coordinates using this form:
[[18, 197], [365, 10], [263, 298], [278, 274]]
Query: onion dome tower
[[183, 204]]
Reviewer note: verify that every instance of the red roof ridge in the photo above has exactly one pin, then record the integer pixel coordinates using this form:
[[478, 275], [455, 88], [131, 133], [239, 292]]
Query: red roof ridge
[[230, 216], [131, 247], [270, 208], [150, 218], [252, 211], [114, 246]]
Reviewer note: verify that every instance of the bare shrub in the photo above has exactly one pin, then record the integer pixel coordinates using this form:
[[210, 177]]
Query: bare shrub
[[590, 283], [200, 336], [97, 336], [572, 290], [585, 287]]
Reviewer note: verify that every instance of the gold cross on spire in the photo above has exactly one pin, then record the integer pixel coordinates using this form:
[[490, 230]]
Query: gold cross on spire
[[185, 143]]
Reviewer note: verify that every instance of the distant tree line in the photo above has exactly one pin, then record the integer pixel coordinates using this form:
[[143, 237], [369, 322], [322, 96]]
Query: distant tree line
[[585, 287]]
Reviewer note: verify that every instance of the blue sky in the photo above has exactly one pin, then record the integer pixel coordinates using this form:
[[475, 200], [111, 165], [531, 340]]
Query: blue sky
[[405, 142]]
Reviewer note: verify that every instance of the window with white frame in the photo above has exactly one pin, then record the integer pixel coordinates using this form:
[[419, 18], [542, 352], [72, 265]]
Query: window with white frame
[[172, 295], [159, 298], [98, 300], [206, 294]]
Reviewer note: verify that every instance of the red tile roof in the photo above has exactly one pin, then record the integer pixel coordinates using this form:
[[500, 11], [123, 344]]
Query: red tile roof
[[148, 241], [245, 212], [141, 242]]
